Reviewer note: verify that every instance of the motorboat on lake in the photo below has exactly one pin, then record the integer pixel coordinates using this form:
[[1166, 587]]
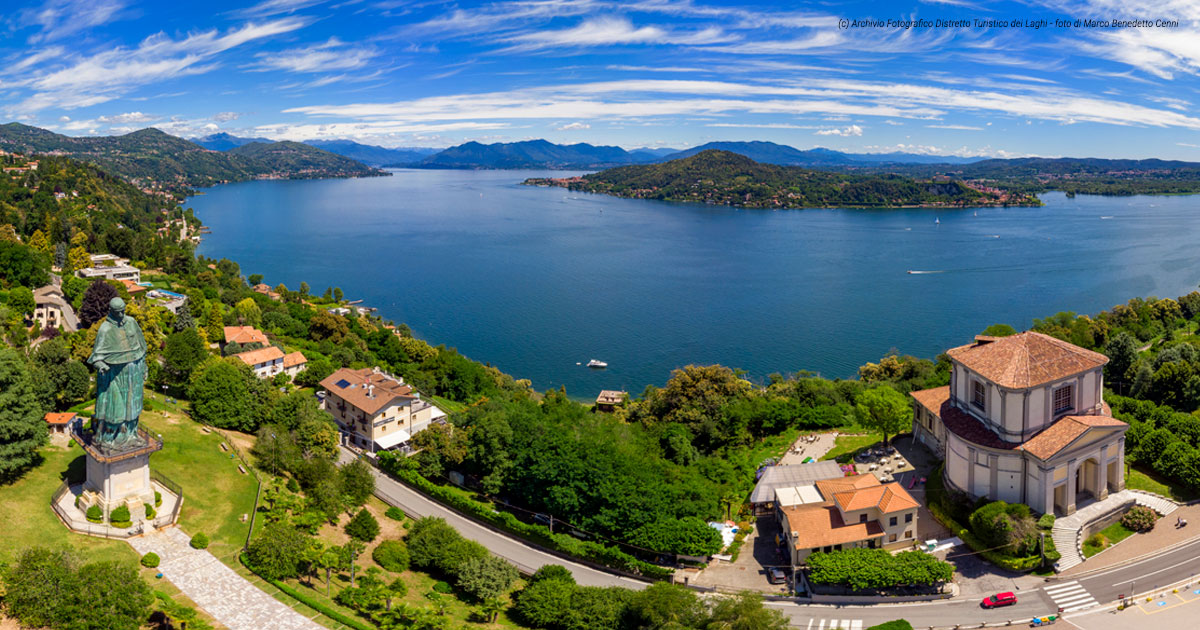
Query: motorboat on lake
[[596, 364]]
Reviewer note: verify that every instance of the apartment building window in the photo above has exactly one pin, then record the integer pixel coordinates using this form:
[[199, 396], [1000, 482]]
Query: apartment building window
[[1064, 398], [908, 533], [862, 518], [908, 517], [892, 522], [891, 538], [979, 395]]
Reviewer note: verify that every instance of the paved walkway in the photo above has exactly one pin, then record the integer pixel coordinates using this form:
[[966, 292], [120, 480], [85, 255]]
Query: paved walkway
[[1067, 529], [228, 597], [1164, 535]]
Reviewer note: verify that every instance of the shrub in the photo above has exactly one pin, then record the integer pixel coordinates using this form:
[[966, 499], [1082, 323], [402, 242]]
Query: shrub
[[1139, 519], [862, 569], [394, 513], [1046, 521], [552, 572], [898, 624], [157, 498], [120, 517], [150, 560], [1096, 540], [199, 541], [95, 514], [363, 526], [485, 578], [434, 545], [293, 485], [443, 588], [149, 510], [391, 555]]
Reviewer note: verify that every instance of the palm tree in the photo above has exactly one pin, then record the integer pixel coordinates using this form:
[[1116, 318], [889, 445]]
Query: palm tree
[[312, 556], [492, 608], [329, 560]]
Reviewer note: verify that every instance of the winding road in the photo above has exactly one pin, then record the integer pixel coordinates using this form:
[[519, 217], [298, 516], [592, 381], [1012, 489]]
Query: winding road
[[1075, 595]]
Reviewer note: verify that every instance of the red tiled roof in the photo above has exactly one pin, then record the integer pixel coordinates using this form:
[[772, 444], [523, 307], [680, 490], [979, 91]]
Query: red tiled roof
[[887, 498], [1064, 431], [1025, 360], [821, 525], [957, 421], [244, 334], [262, 355], [292, 359], [355, 389], [59, 418]]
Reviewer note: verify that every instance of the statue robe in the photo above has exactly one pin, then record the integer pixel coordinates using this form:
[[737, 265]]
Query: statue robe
[[119, 389]]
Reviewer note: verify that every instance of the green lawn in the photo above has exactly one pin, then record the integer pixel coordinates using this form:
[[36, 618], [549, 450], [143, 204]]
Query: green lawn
[[215, 492], [30, 520], [447, 405], [1105, 538], [1137, 479], [850, 444]]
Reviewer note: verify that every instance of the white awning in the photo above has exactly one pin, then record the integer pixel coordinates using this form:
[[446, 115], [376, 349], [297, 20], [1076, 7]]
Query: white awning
[[392, 439]]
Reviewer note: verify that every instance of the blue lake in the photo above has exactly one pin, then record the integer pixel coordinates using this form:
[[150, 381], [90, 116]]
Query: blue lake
[[538, 280]]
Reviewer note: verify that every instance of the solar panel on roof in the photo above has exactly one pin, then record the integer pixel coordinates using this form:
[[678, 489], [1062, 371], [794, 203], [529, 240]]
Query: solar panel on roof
[[342, 383]]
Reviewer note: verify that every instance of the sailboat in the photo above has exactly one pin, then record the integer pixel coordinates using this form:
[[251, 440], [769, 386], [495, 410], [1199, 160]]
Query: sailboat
[[937, 221]]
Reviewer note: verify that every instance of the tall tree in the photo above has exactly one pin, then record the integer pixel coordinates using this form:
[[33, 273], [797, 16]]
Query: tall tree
[[883, 409], [95, 302], [22, 429], [215, 325], [20, 301], [248, 313], [185, 352]]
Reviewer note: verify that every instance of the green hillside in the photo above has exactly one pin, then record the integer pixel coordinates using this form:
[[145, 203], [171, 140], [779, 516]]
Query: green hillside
[[722, 177], [151, 158]]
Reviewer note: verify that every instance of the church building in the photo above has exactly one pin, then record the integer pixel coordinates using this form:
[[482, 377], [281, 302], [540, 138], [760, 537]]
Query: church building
[[1024, 421]]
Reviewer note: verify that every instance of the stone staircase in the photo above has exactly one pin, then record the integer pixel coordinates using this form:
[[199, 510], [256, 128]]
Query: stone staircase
[[1067, 530]]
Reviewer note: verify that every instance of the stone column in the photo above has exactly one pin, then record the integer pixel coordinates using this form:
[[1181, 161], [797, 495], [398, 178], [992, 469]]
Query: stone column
[[1072, 469], [1047, 489], [1121, 465], [1102, 475]]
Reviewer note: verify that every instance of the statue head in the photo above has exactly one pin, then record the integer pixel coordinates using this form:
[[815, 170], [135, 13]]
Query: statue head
[[116, 309]]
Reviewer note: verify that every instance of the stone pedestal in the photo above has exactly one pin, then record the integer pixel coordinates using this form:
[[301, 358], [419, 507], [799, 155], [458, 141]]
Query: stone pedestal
[[118, 477]]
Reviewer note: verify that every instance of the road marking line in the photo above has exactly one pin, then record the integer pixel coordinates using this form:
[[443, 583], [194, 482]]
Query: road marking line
[[1146, 575], [1066, 593], [822, 626], [810, 623], [1080, 607], [1078, 600], [857, 624], [1063, 587]]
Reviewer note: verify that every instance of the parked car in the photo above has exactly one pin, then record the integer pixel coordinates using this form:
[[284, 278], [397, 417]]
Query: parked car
[[999, 599], [775, 575]]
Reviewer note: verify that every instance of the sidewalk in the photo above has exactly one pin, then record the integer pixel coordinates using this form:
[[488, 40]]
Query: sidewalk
[[228, 597], [1162, 536]]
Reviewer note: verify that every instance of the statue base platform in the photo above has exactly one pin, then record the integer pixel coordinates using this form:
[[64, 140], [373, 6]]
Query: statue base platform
[[117, 477]]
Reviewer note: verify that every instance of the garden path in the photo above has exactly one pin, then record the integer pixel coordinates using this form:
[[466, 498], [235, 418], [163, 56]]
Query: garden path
[[228, 597]]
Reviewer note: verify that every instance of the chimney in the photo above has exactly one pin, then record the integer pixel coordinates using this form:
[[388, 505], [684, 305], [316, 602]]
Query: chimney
[[984, 339], [370, 391]]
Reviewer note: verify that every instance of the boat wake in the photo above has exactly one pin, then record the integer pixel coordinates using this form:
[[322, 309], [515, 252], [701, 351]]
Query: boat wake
[[916, 272], [1108, 217]]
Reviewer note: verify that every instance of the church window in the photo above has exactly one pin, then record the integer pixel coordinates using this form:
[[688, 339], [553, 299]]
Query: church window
[[1064, 398], [979, 395]]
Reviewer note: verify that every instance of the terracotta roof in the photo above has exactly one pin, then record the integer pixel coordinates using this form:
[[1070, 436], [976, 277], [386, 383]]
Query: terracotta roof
[[261, 355], [60, 418], [244, 335], [821, 525], [131, 286], [830, 487], [1025, 360], [932, 399], [957, 421], [352, 386], [292, 359], [1064, 431], [887, 498]]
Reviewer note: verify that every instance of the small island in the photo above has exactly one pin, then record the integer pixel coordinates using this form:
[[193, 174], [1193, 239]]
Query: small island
[[726, 178]]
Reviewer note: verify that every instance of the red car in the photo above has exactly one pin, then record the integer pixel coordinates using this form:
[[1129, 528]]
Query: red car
[[999, 599]]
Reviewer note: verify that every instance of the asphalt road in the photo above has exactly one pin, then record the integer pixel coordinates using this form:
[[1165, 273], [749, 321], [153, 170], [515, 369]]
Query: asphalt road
[[1102, 588], [527, 558]]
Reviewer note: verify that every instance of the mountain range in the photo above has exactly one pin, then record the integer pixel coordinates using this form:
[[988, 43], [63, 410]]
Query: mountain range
[[152, 158]]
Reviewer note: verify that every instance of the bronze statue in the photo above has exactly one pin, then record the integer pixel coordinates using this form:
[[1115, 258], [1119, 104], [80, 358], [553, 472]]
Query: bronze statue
[[119, 357]]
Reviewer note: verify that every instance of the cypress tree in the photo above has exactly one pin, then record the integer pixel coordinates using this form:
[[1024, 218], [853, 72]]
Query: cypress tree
[[95, 303]]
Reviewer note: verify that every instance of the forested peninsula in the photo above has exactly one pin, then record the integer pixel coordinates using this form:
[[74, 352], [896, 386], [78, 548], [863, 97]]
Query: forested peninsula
[[726, 178]]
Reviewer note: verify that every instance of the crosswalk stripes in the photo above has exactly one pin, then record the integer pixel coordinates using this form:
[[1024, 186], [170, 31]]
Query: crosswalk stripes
[[1070, 596], [835, 624]]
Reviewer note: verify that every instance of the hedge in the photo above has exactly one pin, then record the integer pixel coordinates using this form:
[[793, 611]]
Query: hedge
[[199, 541], [150, 560], [1005, 562], [312, 603], [585, 549]]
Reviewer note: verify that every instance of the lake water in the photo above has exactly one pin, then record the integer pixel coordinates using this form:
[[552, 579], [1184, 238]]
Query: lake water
[[538, 280]]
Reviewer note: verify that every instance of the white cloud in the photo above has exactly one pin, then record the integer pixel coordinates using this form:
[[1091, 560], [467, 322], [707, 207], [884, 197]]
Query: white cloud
[[573, 126], [922, 149], [277, 7], [958, 127], [1188, 145], [222, 117], [127, 118], [852, 130], [104, 76], [332, 55], [59, 18], [610, 31]]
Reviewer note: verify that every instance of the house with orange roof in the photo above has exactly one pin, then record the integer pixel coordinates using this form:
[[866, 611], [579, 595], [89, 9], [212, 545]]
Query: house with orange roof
[[243, 335], [294, 363], [1024, 421], [375, 410], [266, 290], [61, 422], [845, 513], [266, 362]]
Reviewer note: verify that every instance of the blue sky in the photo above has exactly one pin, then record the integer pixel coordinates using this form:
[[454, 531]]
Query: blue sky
[[632, 73]]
